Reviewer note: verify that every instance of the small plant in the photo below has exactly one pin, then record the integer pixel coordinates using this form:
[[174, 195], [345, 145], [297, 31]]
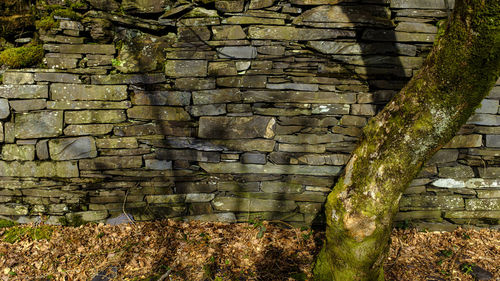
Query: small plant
[[6, 223], [446, 253], [100, 235], [467, 268], [16, 233]]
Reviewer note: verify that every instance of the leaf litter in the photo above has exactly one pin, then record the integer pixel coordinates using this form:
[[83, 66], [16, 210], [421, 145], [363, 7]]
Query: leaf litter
[[176, 250]]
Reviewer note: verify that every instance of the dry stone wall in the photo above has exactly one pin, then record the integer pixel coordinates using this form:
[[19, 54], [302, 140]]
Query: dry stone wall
[[226, 111]]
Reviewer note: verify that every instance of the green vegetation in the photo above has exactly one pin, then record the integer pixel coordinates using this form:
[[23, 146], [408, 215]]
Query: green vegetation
[[16, 233], [20, 57], [6, 223], [46, 23]]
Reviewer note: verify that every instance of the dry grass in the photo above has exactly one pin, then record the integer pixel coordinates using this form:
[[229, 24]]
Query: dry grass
[[218, 251]]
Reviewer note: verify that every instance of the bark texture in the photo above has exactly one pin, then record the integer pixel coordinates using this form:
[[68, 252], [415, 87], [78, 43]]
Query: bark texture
[[458, 73]]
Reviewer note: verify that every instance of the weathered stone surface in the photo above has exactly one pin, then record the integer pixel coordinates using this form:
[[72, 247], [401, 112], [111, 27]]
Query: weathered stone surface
[[295, 34], [194, 84], [313, 148], [186, 68], [242, 81], [315, 159], [465, 141], [227, 68], [218, 217], [444, 156], [299, 97], [482, 204], [163, 199], [146, 78], [363, 109], [44, 169], [472, 214], [18, 78], [24, 91], [231, 6], [67, 104], [189, 155], [38, 124], [333, 109], [144, 6], [406, 26], [431, 202], [1, 133], [13, 210], [483, 119], [493, 140], [161, 98], [87, 49], [238, 168], [253, 158], [26, 105], [199, 197], [94, 116], [260, 4], [111, 162], [236, 127], [62, 62], [216, 96], [391, 36], [252, 20], [88, 92], [207, 109], [470, 183], [228, 32], [4, 108], [195, 187], [490, 172], [247, 145], [456, 172], [42, 150], [308, 121], [72, 148], [422, 4], [92, 129], [237, 52], [376, 15], [281, 187], [127, 142], [154, 164], [419, 215], [158, 113], [18, 152], [252, 205], [88, 215]]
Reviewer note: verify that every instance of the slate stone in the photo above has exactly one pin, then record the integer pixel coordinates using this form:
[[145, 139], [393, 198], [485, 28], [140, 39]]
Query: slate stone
[[236, 127], [42, 150], [66, 104], [24, 91], [490, 172], [18, 152], [431, 202], [299, 97], [488, 106], [158, 113], [295, 34], [88, 92], [43, 169], [193, 34], [375, 15], [237, 52], [72, 148], [247, 145], [308, 121], [484, 120], [88, 215], [472, 214], [218, 217], [4, 108], [460, 171], [199, 197], [260, 4], [116, 143], [207, 109], [189, 155], [41, 124], [444, 156], [146, 78], [242, 81], [194, 84], [94, 116], [482, 204], [350, 120], [493, 140], [111, 162], [228, 32], [480, 274], [293, 86], [463, 141], [227, 68], [154, 164], [252, 205], [186, 68], [232, 6], [396, 36], [281, 187], [422, 4], [161, 98], [406, 26], [87, 49], [144, 6], [13, 210], [61, 62], [253, 158], [216, 96], [91, 129], [27, 105], [354, 48], [252, 20], [18, 78], [238, 168], [195, 187], [319, 160]]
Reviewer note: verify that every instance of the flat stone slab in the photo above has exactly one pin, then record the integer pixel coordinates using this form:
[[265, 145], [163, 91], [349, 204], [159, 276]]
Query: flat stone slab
[[88, 92], [38, 124], [42, 169], [24, 91], [72, 148], [238, 168], [252, 205], [236, 127]]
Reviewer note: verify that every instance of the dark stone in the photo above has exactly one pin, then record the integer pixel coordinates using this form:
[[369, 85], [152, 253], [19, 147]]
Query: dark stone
[[253, 158]]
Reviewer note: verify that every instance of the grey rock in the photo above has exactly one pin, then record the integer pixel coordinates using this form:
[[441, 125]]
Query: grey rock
[[456, 172], [19, 78], [484, 119], [88, 92], [72, 148], [188, 155], [239, 168], [207, 109], [488, 106], [38, 124], [493, 140], [27, 105], [186, 68], [237, 52], [120, 219], [236, 127], [253, 158], [154, 164], [42, 150], [444, 156], [422, 4], [293, 86], [24, 91], [218, 217], [354, 48], [4, 108], [252, 205]]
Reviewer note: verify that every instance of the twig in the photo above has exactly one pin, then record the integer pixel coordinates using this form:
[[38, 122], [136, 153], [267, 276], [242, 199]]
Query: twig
[[123, 208], [164, 276]]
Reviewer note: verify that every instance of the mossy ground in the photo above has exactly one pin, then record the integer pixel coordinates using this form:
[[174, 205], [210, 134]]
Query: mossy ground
[[19, 57]]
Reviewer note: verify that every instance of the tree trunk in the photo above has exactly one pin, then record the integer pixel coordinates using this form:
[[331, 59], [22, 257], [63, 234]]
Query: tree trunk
[[458, 73]]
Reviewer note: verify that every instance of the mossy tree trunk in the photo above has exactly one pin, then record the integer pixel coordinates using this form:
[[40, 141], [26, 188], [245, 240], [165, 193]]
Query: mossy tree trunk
[[458, 73]]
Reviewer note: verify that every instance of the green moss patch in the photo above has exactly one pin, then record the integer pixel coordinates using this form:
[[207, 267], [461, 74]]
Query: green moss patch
[[16, 233], [21, 57]]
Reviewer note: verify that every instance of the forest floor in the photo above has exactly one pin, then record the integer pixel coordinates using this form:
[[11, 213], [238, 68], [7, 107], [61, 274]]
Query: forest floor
[[173, 250]]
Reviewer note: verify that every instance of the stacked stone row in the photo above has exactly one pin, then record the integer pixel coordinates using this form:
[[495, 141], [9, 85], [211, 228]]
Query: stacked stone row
[[254, 115]]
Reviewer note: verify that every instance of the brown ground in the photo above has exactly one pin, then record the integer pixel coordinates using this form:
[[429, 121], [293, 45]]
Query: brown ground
[[218, 251]]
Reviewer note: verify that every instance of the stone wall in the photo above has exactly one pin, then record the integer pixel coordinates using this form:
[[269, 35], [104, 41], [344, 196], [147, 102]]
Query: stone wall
[[226, 110]]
